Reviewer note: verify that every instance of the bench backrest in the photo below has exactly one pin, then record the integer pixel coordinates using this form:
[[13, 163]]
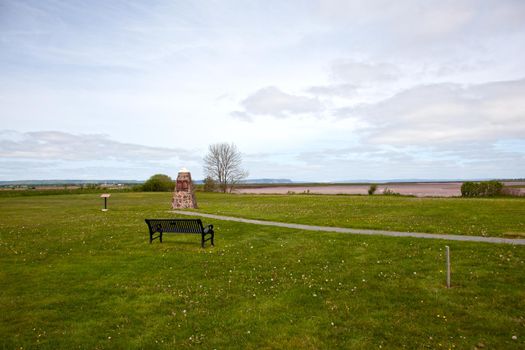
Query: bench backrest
[[175, 225]]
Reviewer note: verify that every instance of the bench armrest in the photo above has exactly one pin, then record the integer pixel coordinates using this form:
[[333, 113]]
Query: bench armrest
[[208, 229]]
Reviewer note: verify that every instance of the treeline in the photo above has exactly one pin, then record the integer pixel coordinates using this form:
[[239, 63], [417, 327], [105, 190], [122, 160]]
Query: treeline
[[156, 183], [50, 192]]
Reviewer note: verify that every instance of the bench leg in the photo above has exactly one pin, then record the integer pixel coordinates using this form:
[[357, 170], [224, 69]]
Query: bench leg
[[151, 237], [212, 236]]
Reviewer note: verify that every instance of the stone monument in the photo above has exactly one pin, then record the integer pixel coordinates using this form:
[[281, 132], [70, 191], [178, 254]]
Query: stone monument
[[183, 197]]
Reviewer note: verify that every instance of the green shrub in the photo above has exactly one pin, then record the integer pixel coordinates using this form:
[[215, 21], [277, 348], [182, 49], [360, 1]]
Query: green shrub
[[468, 189], [209, 185], [136, 188], [495, 188], [372, 189], [92, 186], [388, 192], [481, 189], [158, 183]]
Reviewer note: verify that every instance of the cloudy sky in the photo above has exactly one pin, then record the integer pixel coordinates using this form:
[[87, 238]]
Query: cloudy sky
[[307, 90]]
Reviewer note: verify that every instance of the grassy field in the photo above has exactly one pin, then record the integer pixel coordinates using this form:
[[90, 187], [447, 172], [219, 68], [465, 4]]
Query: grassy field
[[463, 216], [72, 276]]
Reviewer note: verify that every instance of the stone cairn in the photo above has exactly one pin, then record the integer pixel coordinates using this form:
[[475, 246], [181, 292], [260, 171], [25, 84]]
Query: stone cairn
[[183, 197]]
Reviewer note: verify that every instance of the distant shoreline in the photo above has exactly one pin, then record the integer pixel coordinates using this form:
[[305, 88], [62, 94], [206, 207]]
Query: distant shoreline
[[249, 183], [417, 189]]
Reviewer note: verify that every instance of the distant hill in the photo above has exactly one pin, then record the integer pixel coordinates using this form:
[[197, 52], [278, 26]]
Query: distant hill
[[114, 182], [65, 182], [420, 180], [267, 181], [258, 181]]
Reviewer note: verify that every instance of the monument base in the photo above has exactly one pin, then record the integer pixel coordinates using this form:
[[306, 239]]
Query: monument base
[[183, 200]]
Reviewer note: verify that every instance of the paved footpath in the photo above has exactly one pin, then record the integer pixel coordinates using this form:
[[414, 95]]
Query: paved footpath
[[358, 231]]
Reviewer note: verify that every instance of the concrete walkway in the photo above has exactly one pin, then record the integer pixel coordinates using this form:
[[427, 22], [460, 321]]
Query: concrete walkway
[[358, 231]]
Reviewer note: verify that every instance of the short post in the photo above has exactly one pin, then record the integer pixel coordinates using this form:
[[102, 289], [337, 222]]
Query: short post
[[105, 196], [448, 265]]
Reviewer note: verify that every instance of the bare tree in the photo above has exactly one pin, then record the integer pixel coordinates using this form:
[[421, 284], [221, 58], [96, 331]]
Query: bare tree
[[223, 164]]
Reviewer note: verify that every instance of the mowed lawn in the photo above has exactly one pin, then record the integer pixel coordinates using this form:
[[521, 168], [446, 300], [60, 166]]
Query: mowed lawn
[[502, 217], [72, 276]]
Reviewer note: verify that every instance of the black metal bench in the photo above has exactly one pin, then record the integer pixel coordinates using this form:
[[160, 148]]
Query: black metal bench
[[161, 226]]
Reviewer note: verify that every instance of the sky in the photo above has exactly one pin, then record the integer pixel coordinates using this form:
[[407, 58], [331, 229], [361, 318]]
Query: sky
[[307, 90]]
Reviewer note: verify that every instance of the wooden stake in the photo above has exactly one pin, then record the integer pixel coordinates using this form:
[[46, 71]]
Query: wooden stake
[[448, 265]]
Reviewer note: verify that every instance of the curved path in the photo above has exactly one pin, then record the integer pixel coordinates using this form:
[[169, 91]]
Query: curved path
[[358, 231]]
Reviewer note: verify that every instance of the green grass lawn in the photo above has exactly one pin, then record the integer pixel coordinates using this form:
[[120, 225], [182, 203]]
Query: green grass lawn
[[72, 276], [463, 216]]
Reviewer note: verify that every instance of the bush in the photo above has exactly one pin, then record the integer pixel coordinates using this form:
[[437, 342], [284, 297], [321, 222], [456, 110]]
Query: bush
[[468, 189], [158, 183], [481, 189], [388, 192], [209, 184], [372, 189], [136, 188], [494, 188]]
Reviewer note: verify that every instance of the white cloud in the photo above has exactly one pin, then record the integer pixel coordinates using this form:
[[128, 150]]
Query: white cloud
[[427, 20], [342, 90], [55, 145], [270, 101], [352, 79], [446, 113], [354, 72], [60, 155], [414, 72], [474, 160]]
